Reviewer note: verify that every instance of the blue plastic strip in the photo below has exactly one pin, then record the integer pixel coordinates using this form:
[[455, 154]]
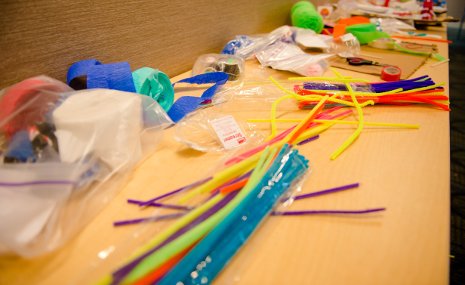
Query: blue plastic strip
[[184, 106], [80, 68], [187, 104], [115, 76], [118, 76]]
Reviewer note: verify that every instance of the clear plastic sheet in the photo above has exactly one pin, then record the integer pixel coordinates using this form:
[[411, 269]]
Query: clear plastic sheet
[[284, 56], [247, 99], [198, 131], [64, 156]]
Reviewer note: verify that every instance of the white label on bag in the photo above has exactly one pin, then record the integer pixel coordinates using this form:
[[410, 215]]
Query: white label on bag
[[347, 37], [228, 131]]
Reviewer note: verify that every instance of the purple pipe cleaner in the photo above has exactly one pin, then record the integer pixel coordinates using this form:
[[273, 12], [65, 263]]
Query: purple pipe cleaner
[[122, 272]]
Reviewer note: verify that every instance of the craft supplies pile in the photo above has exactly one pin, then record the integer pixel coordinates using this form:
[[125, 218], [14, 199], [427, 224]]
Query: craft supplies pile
[[68, 148]]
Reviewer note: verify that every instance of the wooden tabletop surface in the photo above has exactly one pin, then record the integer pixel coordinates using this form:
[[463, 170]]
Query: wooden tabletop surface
[[406, 171]]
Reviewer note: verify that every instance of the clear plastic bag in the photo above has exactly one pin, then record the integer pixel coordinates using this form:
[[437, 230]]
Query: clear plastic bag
[[345, 46], [284, 56], [278, 183], [391, 25], [230, 64], [246, 46], [209, 130], [65, 155], [308, 39]]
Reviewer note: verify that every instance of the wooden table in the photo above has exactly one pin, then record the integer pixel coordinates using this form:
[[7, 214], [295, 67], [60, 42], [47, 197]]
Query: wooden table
[[406, 171]]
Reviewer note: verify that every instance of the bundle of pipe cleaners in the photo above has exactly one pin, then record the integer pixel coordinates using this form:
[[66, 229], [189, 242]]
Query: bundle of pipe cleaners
[[346, 91], [195, 248], [212, 229], [421, 90]]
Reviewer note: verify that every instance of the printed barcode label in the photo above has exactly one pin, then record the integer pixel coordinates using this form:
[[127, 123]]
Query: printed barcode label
[[228, 131]]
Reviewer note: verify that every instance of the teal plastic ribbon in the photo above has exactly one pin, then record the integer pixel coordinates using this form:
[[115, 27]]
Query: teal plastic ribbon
[[155, 84]]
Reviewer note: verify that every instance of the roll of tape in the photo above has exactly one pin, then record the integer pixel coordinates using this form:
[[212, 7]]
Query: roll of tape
[[155, 84], [390, 73]]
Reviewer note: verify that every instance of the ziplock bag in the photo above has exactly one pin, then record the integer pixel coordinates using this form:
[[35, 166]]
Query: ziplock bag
[[268, 182], [214, 129], [229, 64], [210, 130], [246, 46], [65, 155]]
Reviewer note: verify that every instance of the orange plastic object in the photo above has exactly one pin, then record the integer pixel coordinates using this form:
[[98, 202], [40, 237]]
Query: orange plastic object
[[354, 20], [339, 30], [340, 27]]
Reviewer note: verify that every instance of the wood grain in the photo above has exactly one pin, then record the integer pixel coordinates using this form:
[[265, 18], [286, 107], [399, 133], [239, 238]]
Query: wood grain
[[45, 37]]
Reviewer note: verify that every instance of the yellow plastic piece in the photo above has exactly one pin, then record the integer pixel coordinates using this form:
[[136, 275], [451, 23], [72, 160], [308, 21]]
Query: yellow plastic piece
[[306, 119], [360, 125]]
